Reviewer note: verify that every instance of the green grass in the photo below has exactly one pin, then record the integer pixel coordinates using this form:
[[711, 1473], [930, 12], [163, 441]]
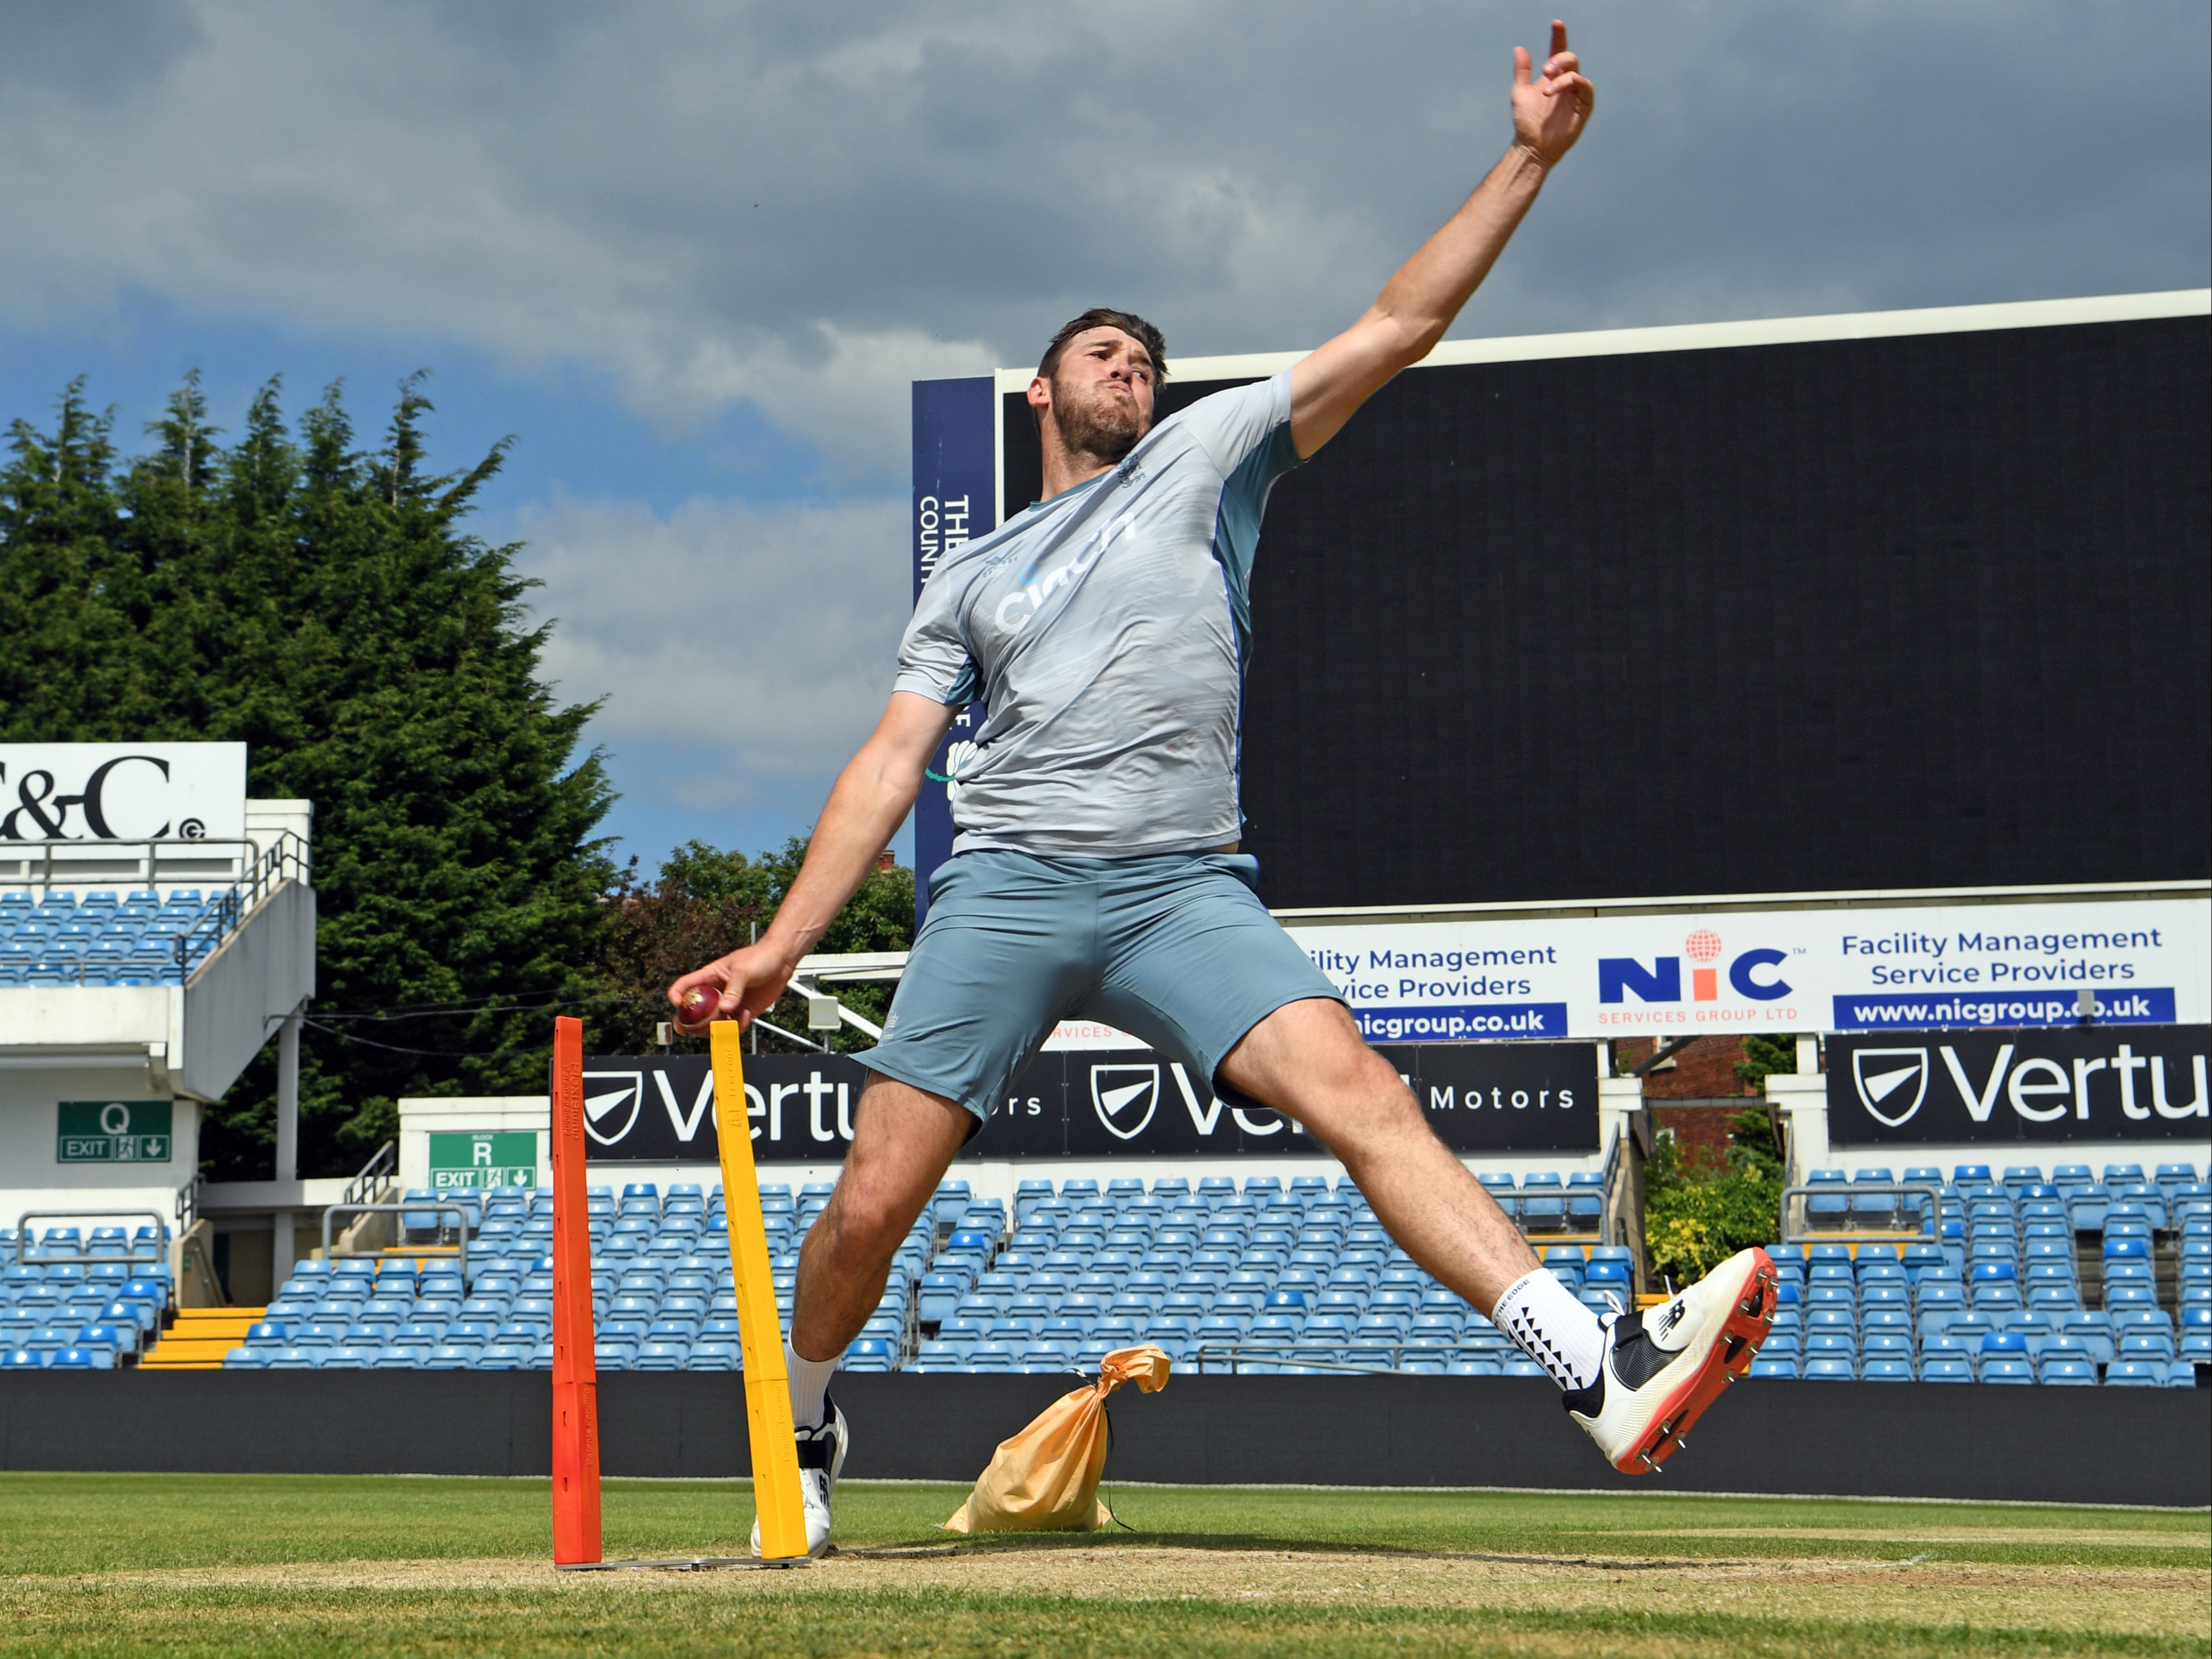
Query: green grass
[[100, 1522], [182, 1565]]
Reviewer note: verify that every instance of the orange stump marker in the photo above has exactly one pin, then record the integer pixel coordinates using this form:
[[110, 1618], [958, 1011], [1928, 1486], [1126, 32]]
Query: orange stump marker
[[575, 1370], [760, 1329]]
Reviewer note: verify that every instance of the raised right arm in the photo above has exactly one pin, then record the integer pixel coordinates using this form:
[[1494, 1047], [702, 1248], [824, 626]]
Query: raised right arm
[[873, 796], [1412, 312]]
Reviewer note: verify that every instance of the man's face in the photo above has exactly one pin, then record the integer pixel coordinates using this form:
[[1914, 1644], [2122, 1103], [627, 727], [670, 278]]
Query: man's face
[[1100, 395]]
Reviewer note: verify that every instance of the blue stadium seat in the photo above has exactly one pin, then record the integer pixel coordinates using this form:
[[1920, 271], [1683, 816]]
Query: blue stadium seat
[[1826, 1209], [2154, 1345], [2078, 1373], [1567, 1262], [1585, 1199], [2134, 1374], [2196, 1333], [1543, 1203], [1873, 1209], [1829, 1369]]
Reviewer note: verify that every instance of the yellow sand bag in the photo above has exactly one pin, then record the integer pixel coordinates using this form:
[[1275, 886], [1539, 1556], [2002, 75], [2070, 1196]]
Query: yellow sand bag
[[1045, 1478]]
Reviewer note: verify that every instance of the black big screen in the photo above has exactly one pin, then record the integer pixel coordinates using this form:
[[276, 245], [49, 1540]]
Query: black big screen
[[1916, 611]]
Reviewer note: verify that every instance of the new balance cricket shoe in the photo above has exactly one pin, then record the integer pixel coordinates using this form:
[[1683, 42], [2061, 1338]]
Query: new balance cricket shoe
[[821, 1459], [1664, 1365]]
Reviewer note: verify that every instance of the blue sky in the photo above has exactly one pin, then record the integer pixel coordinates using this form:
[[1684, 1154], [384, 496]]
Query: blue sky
[[691, 255]]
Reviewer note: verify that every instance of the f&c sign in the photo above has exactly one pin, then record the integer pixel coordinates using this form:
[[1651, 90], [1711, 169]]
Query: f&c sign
[[95, 792]]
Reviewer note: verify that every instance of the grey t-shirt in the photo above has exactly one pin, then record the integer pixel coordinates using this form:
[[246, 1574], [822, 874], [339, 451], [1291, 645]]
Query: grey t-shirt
[[1105, 630]]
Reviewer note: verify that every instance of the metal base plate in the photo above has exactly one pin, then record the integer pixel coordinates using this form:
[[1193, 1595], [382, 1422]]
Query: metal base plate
[[684, 1564]]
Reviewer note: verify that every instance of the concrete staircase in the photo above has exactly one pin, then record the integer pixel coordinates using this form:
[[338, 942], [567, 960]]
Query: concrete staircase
[[199, 1339]]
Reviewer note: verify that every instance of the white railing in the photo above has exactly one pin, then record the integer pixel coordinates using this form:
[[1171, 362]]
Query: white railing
[[257, 861]]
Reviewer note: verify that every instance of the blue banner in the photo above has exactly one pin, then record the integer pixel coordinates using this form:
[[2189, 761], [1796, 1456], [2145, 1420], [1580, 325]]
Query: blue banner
[[955, 500], [2151, 1006], [1463, 1022]]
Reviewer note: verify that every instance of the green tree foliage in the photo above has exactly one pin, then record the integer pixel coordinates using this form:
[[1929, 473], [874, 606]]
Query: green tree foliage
[[707, 903], [323, 603], [1764, 1055], [1697, 1212]]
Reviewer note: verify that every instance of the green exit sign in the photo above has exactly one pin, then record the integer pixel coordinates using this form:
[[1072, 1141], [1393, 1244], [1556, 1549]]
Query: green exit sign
[[113, 1132], [481, 1159]]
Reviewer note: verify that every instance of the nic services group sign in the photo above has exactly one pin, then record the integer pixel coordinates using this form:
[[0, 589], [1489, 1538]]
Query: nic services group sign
[[2145, 962], [1959, 1087], [1088, 1103]]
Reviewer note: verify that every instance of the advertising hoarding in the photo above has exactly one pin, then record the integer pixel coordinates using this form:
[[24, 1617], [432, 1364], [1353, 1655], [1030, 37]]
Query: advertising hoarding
[[2145, 962], [1084, 1102], [95, 792], [955, 465], [2026, 1086]]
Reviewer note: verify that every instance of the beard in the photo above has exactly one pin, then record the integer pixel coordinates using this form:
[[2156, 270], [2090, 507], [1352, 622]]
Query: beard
[[1098, 425]]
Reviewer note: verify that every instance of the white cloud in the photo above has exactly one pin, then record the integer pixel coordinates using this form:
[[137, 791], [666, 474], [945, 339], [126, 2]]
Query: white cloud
[[807, 206], [758, 641]]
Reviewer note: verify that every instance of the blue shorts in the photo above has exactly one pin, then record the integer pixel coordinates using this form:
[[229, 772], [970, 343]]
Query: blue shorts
[[1175, 949]]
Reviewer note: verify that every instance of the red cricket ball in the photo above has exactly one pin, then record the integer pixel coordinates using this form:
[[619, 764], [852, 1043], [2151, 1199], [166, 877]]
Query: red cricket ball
[[699, 1006]]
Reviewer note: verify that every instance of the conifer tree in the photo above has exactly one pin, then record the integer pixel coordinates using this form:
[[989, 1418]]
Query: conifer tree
[[326, 607]]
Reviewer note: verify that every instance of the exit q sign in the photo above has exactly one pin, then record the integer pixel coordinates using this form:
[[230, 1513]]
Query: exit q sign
[[113, 1132], [479, 1160]]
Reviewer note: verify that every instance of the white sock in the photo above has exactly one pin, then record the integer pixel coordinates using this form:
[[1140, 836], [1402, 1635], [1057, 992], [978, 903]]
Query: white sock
[[809, 1380], [1547, 1323]]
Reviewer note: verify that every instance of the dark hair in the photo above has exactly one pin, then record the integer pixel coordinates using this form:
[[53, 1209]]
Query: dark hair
[[1101, 317]]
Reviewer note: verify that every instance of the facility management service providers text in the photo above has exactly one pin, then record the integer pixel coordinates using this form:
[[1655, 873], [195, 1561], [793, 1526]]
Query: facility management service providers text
[[1955, 967]]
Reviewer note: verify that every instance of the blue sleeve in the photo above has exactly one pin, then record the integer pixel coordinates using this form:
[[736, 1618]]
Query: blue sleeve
[[1255, 450], [934, 660]]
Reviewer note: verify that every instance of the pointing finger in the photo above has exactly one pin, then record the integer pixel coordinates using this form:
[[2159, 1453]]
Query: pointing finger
[[1559, 37]]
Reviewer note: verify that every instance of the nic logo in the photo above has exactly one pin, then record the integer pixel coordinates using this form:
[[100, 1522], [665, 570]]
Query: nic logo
[[1662, 982]]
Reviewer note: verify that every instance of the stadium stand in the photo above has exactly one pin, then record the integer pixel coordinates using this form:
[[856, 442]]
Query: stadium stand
[[110, 937], [1263, 1277], [1257, 1279], [2075, 1279], [96, 1316], [1253, 1280]]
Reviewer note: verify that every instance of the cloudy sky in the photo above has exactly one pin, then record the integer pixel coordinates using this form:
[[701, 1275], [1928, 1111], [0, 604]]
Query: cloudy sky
[[691, 255]]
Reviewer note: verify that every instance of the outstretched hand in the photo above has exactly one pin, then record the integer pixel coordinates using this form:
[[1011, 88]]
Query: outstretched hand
[[1549, 112], [744, 983]]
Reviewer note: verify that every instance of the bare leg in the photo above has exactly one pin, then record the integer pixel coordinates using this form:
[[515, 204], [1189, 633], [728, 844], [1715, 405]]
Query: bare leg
[[903, 1141], [1307, 1060]]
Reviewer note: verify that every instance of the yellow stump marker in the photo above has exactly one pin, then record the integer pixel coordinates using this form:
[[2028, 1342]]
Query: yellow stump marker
[[768, 1385]]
